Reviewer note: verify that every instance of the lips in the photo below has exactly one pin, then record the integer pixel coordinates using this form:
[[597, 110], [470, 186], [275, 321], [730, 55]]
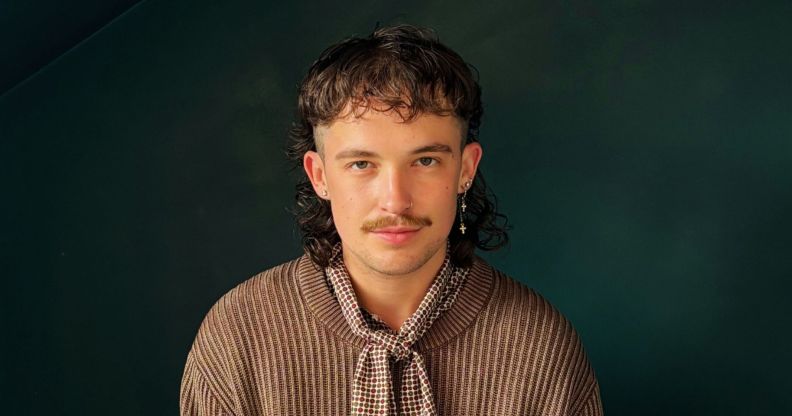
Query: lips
[[395, 235]]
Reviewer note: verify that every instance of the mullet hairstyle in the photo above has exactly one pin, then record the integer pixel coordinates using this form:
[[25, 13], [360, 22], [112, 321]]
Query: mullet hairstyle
[[405, 69]]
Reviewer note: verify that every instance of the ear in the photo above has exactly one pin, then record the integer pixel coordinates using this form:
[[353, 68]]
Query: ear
[[471, 156], [314, 168]]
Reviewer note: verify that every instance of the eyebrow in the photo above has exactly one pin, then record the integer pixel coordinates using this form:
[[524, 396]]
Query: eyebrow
[[354, 153], [433, 148]]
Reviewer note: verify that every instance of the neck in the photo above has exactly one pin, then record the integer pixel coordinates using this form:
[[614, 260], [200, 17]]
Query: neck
[[393, 298]]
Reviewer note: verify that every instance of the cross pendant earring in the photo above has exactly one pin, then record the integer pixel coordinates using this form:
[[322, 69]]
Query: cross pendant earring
[[462, 208]]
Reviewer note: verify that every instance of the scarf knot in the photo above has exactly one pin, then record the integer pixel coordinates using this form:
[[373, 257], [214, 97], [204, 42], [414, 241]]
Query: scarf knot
[[395, 347]]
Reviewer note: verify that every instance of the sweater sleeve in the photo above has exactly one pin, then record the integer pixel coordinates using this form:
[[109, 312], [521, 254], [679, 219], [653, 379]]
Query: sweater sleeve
[[197, 397]]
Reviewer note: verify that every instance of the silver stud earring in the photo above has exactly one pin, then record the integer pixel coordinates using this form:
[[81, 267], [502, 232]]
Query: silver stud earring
[[324, 192]]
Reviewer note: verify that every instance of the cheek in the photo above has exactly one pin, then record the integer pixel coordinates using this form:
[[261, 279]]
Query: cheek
[[348, 206], [342, 218], [443, 203]]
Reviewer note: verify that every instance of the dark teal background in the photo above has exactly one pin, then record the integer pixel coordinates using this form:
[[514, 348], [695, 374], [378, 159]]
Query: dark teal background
[[642, 150]]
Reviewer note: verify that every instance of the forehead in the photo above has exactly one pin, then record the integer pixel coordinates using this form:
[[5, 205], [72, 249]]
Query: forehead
[[388, 130]]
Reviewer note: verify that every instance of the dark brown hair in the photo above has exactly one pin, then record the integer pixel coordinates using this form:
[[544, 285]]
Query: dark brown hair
[[401, 68]]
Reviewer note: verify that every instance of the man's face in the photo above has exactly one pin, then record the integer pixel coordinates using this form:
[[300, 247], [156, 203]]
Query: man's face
[[392, 186]]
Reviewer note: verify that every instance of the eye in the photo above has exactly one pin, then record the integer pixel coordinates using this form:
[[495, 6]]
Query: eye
[[427, 161], [359, 165]]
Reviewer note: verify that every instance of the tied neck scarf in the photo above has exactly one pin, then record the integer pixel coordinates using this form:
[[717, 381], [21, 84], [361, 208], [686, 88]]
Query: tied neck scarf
[[372, 391]]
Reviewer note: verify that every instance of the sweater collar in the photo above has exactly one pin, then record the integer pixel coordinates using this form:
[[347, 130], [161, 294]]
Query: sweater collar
[[317, 293]]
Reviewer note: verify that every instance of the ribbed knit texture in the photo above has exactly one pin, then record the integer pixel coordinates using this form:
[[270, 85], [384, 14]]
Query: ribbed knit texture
[[278, 344]]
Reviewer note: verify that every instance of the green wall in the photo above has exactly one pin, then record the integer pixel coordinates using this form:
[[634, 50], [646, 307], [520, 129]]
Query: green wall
[[642, 150]]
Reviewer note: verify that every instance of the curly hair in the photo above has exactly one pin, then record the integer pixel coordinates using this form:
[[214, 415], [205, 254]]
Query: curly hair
[[401, 68]]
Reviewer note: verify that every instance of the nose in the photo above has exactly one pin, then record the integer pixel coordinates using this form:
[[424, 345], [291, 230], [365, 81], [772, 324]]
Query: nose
[[396, 195]]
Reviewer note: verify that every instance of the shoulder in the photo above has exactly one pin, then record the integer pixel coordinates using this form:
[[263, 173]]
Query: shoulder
[[248, 311], [277, 282], [536, 333], [522, 306], [226, 344]]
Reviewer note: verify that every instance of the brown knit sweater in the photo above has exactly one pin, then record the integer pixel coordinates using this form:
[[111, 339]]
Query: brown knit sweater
[[278, 345]]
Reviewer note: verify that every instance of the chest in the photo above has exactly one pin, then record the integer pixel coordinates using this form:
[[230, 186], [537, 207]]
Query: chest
[[315, 377]]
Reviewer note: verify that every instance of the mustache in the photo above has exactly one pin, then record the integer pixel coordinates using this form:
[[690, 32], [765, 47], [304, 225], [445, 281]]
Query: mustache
[[382, 222]]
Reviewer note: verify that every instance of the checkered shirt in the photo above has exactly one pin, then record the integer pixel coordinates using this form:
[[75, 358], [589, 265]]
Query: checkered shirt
[[372, 390]]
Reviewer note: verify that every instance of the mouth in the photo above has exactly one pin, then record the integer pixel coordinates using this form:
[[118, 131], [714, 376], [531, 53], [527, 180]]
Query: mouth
[[396, 235]]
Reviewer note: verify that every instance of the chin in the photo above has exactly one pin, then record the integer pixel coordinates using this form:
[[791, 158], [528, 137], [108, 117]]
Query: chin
[[401, 262], [397, 267]]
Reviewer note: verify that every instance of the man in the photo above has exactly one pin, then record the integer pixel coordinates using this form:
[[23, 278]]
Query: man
[[389, 312]]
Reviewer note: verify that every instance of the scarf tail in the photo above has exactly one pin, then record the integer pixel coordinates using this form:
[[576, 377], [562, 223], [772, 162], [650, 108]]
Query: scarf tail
[[372, 389]]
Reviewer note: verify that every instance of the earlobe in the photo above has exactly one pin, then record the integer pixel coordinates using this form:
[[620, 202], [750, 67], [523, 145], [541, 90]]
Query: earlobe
[[314, 169]]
